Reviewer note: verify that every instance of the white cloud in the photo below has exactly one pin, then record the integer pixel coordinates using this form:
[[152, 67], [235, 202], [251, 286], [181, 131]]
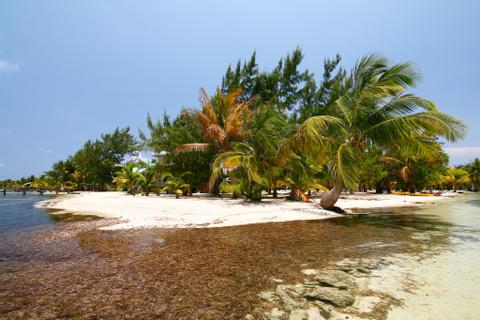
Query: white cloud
[[461, 155], [2, 164], [7, 66], [463, 150]]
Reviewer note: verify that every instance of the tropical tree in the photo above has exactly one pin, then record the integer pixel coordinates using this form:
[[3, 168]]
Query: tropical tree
[[61, 173], [301, 173], [252, 161], [285, 88], [220, 119], [148, 178], [373, 171], [175, 184], [129, 177], [97, 161], [456, 177], [41, 183], [375, 110], [164, 138], [473, 169]]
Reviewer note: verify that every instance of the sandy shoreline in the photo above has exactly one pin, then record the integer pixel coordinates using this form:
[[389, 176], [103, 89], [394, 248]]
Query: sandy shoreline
[[199, 211]]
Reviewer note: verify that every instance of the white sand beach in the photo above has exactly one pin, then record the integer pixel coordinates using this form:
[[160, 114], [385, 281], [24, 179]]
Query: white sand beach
[[199, 211]]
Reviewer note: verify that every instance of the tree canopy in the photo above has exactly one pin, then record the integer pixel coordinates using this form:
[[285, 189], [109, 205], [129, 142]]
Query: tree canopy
[[264, 130]]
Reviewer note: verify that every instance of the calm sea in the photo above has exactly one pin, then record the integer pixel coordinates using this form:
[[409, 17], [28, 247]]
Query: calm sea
[[17, 211]]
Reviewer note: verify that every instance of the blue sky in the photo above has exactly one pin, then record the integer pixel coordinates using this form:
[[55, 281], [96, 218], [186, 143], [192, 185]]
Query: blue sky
[[71, 70]]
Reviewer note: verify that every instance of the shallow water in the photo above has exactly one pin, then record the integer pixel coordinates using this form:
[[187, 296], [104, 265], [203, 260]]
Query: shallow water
[[447, 283], [76, 271], [17, 211]]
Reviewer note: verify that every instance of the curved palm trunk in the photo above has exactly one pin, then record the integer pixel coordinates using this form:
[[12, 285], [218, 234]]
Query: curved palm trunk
[[214, 189], [331, 197], [294, 194]]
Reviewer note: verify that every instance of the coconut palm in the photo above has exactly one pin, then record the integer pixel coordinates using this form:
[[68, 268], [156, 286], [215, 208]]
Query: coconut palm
[[252, 162], [41, 183], [456, 177], [221, 119], [175, 184], [302, 174], [128, 177], [417, 170], [243, 158], [473, 169], [374, 111], [148, 178]]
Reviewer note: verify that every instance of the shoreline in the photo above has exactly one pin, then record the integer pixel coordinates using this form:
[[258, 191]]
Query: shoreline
[[199, 211], [415, 265]]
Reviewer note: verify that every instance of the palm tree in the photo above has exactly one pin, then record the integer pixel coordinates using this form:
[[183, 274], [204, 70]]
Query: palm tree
[[302, 174], [256, 157], [409, 165], [175, 184], [148, 178], [221, 120], [128, 177], [456, 177], [244, 158], [374, 111], [473, 169], [41, 183]]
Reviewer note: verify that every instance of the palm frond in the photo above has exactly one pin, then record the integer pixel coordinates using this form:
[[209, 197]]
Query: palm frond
[[347, 165], [193, 147], [316, 129]]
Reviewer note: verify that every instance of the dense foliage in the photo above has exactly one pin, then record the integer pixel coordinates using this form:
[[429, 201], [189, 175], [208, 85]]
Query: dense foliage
[[262, 131]]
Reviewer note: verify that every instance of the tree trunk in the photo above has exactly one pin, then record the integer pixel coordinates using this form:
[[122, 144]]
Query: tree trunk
[[293, 193], [275, 194], [331, 197], [215, 188], [378, 188]]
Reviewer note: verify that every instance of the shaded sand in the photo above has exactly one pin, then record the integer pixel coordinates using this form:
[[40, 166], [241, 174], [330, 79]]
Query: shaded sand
[[199, 211]]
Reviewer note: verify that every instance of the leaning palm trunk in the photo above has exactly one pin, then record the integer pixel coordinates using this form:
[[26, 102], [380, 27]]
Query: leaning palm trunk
[[214, 188], [331, 197]]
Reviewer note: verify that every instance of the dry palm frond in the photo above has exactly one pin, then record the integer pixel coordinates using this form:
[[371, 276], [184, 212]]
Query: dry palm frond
[[389, 160], [406, 172], [193, 147], [214, 132]]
